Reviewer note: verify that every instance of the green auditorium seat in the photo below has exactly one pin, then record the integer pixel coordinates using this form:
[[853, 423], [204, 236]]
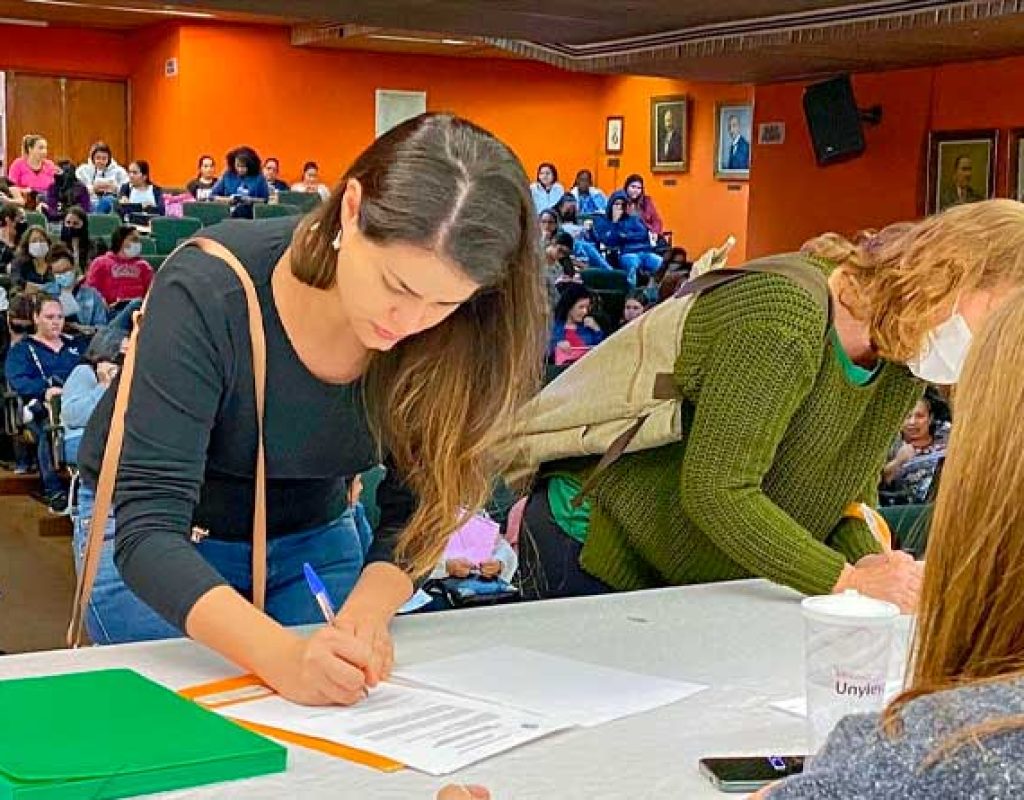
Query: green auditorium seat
[[207, 213], [263, 210], [155, 261], [35, 218], [306, 201], [102, 226], [168, 230], [148, 245]]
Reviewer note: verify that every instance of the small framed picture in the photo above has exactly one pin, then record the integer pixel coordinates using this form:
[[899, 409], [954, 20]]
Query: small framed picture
[[733, 125], [613, 130], [1016, 162], [670, 145], [771, 133], [961, 168]]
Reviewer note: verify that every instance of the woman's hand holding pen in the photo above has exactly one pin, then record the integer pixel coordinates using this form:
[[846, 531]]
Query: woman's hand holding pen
[[330, 667], [371, 632]]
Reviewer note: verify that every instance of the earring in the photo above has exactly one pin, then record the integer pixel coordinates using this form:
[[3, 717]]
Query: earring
[[336, 244]]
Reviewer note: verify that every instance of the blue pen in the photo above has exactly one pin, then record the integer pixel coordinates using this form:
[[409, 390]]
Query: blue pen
[[316, 586]]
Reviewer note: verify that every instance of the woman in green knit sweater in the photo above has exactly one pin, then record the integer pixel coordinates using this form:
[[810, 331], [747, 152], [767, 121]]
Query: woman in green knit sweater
[[787, 418]]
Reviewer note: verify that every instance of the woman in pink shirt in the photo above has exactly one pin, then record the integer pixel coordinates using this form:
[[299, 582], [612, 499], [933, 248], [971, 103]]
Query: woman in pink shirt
[[33, 170], [120, 274]]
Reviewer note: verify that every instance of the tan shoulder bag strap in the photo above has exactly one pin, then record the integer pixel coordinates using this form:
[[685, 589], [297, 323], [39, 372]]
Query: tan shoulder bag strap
[[115, 440]]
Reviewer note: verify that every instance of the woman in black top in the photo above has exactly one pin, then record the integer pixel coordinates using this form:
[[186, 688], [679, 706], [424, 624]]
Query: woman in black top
[[30, 265], [404, 318], [202, 184]]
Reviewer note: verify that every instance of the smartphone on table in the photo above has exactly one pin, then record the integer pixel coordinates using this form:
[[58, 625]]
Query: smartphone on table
[[749, 773]]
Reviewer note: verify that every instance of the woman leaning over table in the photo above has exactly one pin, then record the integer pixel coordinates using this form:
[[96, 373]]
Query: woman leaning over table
[[958, 729], [786, 420], [374, 307]]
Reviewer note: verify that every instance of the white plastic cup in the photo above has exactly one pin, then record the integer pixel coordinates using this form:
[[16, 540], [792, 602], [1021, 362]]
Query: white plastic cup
[[848, 649]]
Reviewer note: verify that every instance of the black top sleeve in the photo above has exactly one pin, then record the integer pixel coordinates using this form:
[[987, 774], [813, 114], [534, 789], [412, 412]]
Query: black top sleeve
[[173, 408], [396, 502]]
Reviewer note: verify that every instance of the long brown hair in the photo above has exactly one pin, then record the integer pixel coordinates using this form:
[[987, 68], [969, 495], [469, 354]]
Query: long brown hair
[[970, 626], [902, 275], [440, 401]]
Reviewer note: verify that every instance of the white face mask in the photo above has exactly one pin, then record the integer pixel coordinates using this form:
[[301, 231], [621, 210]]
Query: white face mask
[[38, 249], [132, 250], [944, 352]]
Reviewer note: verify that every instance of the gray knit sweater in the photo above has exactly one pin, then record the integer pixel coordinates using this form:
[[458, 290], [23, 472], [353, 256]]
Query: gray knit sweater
[[860, 761]]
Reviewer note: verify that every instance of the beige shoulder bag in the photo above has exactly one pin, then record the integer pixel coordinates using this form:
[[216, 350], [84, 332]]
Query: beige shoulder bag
[[115, 438]]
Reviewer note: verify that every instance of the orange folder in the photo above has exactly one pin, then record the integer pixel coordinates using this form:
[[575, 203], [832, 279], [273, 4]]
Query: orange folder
[[245, 688]]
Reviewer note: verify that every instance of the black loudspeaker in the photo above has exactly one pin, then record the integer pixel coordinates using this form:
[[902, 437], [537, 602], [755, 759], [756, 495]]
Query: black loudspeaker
[[833, 120]]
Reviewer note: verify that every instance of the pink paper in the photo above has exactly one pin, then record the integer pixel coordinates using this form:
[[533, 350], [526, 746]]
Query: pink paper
[[474, 541]]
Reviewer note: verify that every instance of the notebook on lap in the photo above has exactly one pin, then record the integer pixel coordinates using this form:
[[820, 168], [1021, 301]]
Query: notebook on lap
[[113, 733]]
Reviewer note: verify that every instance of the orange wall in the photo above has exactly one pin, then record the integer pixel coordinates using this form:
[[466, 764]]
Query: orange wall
[[249, 85], [699, 210], [160, 116], [792, 199], [64, 51]]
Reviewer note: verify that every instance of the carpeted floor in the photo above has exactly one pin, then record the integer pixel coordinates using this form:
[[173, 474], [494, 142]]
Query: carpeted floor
[[37, 579]]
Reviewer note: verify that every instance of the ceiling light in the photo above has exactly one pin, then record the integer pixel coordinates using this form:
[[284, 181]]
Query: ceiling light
[[395, 38], [454, 42], [28, 23], [158, 11]]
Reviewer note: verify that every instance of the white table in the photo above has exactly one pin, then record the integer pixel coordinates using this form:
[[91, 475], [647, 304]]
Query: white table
[[743, 639]]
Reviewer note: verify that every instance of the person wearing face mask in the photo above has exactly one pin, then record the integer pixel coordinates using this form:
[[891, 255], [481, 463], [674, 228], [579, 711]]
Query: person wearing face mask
[[121, 274], [29, 270], [788, 411], [12, 228], [84, 307], [74, 233]]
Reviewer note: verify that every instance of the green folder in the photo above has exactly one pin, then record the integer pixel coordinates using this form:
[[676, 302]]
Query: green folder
[[114, 733]]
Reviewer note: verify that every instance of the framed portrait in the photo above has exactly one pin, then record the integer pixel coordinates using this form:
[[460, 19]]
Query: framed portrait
[[961, 168], [613, 130], [1016, 162], [734, 124], [670, 141]]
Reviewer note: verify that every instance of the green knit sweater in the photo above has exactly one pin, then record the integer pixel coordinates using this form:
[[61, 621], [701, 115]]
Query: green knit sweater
[[777, 441]]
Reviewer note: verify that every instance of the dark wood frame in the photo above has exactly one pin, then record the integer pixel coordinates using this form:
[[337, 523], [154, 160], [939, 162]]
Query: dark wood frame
[[938, 138], [1014, 167], [614, 151], [684, 165]]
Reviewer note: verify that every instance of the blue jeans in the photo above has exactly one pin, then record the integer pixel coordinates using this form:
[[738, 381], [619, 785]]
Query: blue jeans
[[116, 615], [44, 452], [585, 250], [631, 262]]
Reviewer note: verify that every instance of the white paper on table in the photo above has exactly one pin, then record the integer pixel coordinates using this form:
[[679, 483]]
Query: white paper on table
[[797, 706], [564, 689], [425, 730]]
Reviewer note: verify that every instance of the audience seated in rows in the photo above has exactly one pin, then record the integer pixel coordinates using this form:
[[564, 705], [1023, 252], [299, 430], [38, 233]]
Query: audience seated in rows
[[66, 192], [584, 240], [546, 190], [29, 265], [242, 183], [36, 369], [627, 234], [121, 274], [32, 172], [74, 233], [12, 228], [641, 204], [140, 190], [574, 331], [18, 325], [272, 172], [103, 177], [201, 186], [310, 182], [84, 308], [591, 199], [559, 268]]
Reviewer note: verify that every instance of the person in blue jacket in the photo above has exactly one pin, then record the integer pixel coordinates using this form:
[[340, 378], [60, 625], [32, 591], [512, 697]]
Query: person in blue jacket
[[36, 369], [627, 234], [242, 183]]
